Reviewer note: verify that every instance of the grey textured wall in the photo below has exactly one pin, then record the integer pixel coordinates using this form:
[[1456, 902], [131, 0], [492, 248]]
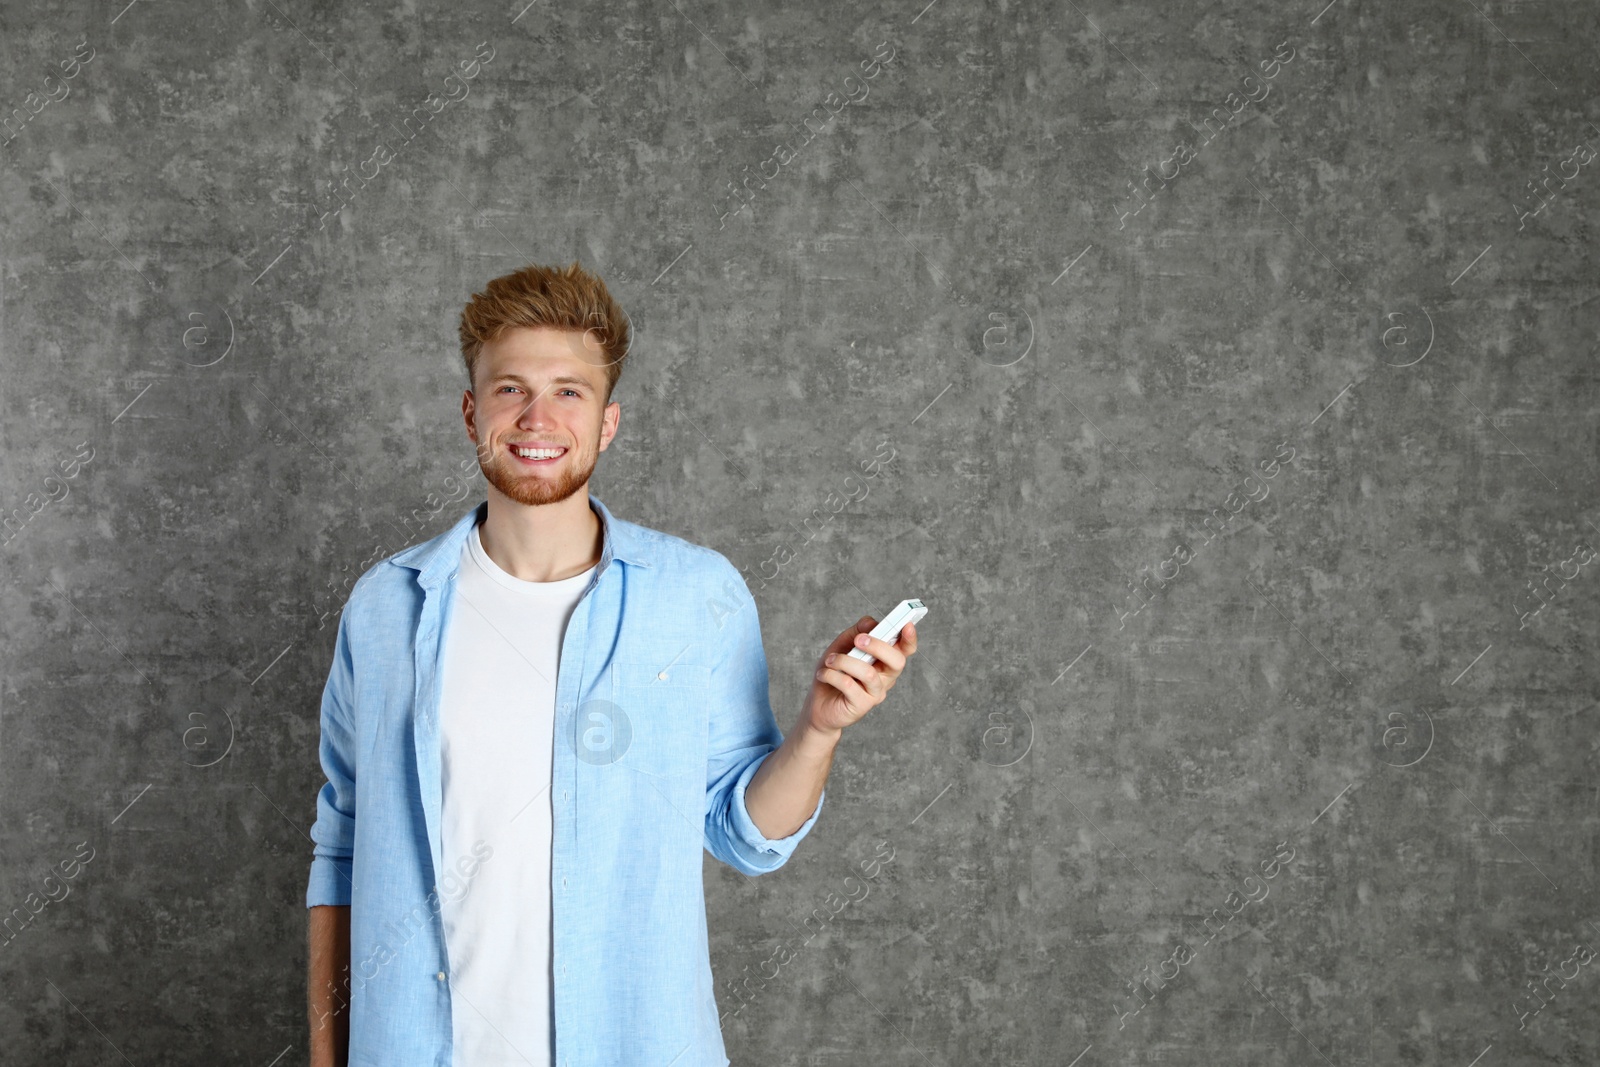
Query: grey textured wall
[[1248, 467]]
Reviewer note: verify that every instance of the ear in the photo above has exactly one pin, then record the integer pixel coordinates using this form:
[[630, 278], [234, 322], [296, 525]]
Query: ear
[[468, 410], [608, 423]]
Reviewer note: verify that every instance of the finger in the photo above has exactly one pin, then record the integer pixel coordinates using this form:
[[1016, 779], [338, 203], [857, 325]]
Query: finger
[[885, 653], [870, 675], [846, 640], [908, 639], [856, 696]]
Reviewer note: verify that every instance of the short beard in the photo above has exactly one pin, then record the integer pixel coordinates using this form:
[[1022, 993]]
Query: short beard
[[531, 489]]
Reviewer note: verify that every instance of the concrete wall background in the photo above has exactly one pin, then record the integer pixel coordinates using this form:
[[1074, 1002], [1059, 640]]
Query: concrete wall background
[[224, 395]]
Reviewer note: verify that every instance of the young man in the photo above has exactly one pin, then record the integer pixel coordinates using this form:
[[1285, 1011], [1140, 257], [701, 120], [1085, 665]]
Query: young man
[[533, 725]]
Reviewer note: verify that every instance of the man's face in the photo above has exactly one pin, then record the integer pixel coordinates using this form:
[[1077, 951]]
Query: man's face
[[540, 387]]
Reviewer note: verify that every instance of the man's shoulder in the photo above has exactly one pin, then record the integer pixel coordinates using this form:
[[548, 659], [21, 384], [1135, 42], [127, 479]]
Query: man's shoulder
[[675, 561], [676, 557], [388, 583], [695, 583]]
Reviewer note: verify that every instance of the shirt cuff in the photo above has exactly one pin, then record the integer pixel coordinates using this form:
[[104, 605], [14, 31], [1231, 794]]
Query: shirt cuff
[[330, 882], [752, 844]]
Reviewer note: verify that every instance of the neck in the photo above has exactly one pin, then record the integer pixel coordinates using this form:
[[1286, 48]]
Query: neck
[[542, 542]]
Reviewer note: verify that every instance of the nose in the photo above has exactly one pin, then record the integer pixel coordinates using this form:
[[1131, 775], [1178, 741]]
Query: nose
[[538, 411]]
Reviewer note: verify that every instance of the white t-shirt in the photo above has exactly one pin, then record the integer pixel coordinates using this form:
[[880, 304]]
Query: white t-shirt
[[497, 724]]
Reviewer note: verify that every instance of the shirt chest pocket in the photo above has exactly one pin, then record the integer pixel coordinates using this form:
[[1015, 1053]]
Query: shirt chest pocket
[[664, 709]]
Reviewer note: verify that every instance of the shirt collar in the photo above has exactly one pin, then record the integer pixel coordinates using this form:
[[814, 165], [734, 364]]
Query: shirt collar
[[437, 560]]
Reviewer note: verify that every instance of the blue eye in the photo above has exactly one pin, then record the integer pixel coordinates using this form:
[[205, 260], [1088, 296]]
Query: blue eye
[[574, 392]]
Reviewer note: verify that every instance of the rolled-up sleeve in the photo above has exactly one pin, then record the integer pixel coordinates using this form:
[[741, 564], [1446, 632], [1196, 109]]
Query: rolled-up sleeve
[[333, 834], [742, 733]]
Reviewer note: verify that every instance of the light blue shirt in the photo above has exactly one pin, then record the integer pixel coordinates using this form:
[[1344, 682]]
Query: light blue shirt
[[662, 718]]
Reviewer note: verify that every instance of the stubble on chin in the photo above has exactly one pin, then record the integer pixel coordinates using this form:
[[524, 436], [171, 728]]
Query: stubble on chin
[[533, 490]]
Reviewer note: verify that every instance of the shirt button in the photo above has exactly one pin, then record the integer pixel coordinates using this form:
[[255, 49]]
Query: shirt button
[[662, 676], [441, 976]]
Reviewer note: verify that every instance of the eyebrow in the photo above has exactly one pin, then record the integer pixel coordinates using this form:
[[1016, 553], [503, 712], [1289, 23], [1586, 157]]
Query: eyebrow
[[564, 379]]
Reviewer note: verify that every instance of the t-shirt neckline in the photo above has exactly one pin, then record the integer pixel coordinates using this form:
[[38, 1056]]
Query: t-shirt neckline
[[558, 588]]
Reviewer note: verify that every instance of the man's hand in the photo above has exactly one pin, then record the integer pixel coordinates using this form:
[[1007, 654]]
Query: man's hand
[[844, 688], [788, 786]]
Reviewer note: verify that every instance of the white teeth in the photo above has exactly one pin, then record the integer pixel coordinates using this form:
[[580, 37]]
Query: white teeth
[[537, 453]]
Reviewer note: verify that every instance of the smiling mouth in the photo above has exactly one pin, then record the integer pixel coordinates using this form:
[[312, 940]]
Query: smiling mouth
[[535, 456]]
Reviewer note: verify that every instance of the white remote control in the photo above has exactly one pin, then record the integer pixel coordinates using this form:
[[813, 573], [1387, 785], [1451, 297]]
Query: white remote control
[[907, 611]]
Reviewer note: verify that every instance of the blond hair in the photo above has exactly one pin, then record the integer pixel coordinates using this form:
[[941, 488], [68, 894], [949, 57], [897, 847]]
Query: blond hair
[[570, 299]]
